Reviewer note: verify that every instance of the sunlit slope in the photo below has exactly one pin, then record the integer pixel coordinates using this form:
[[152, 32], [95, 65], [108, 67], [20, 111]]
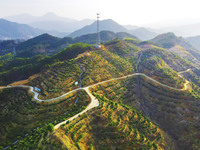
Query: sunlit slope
[[175, 111], [119, 58], [178, 45], [93, 66], [21, 116], [112, 126]]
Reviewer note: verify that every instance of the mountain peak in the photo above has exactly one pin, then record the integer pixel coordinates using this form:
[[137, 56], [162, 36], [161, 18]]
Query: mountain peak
[[105, 25], [169, 39], [167, 35]]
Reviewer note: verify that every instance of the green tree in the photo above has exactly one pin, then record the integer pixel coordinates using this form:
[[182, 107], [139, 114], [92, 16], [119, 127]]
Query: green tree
[[50, 127]]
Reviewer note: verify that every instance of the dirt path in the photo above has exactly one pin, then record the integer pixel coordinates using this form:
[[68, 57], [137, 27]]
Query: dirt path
[[94, 103], [186, 83]]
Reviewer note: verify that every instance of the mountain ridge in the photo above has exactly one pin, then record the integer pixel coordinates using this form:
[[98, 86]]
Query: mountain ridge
[[107, 24], [12, 30]]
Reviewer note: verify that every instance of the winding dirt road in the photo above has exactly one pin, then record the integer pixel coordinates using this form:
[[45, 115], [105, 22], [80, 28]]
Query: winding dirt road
[[186, 83], [94, 102]]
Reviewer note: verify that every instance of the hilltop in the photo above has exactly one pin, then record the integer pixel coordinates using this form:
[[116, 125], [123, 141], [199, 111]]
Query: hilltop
[[105, 37], [44, 44], [178, 45], [168, 40]]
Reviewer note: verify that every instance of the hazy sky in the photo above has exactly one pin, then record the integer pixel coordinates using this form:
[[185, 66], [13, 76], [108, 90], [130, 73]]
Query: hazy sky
[[135, 12]]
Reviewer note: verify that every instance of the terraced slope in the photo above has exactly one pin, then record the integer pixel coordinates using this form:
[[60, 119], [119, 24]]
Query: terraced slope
[[20, 115], [112, 126], [95, 66], [176, 112], [119, 58], [168, 107]]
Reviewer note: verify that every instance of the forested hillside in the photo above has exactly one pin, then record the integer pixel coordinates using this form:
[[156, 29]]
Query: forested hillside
[[148, 98]]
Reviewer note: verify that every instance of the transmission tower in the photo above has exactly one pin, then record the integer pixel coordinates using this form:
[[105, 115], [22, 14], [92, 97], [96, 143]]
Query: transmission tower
[[98, 32]]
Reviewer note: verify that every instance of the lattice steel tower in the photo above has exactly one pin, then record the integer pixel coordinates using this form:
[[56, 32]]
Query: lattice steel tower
[[98, 32]]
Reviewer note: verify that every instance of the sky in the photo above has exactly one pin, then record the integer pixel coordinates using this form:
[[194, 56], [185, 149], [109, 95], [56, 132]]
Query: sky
[[126, 12]]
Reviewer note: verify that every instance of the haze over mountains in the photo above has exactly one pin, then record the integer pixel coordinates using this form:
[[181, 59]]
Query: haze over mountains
[[12, 30], [186, 30], [59, 26], [50, 21], [26, 26]]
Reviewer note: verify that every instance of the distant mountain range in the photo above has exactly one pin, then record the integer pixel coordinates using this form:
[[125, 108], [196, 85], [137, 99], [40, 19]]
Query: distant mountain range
[[27, 19], [195, 41], [61, 27], [110, 25], [12, 30], [184, 30], [143, 33], [51, 22]]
